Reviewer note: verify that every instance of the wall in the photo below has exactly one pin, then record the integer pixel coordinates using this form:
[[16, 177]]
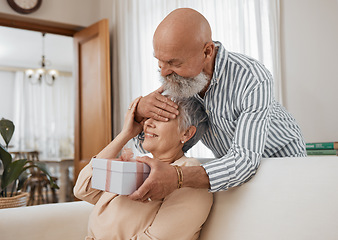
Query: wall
[[7, 89], [75, 12], [309, 38]]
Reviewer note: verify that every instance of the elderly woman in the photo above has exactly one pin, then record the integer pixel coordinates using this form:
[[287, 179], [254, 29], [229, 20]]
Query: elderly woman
[[178, 216]]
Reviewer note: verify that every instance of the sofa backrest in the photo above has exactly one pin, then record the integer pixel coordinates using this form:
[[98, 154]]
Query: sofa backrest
[[288, 199]]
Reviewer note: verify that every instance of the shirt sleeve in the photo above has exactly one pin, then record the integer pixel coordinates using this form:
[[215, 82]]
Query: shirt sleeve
[[180, 216], [83, 189], [138, 141], [243, 157]]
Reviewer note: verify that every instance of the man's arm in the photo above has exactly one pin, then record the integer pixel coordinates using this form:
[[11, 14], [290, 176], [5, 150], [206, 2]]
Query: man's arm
[[248, 143], [163, 180]]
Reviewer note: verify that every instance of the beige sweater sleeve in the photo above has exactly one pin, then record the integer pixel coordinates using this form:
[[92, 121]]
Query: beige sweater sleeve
[[83, 189], [180, 216]]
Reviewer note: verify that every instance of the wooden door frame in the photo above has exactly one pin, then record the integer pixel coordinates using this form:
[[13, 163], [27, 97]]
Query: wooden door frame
[[45, 26], [26, 23]]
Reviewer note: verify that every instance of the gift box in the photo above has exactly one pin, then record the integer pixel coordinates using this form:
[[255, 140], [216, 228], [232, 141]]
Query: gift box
[[118, 176]]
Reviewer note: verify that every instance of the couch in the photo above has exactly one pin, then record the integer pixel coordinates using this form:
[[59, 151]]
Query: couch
[[288, 199]]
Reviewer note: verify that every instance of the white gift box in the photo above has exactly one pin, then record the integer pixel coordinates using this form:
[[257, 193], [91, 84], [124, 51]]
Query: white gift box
[[118, 176]]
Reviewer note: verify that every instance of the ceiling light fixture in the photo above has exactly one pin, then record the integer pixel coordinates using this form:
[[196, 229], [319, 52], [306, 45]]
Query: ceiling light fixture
[[36, 76]]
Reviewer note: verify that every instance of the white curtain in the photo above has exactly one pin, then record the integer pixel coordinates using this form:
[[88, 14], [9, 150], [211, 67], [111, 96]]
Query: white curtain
[[44, 116], [250, 27]]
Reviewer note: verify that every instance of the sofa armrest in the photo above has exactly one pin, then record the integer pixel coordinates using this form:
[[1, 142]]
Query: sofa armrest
[[49, 221]]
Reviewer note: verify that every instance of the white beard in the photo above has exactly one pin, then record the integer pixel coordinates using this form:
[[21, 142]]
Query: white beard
[[178, 87]]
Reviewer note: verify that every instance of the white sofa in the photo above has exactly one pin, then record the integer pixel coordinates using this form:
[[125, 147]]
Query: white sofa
[[288, 199]]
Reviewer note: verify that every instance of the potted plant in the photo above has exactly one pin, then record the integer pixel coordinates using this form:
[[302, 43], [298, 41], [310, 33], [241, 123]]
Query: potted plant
[[14, 172]]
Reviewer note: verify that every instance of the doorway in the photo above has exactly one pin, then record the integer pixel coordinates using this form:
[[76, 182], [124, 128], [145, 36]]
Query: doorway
[[38, 96], [90, 44], [36, 78]]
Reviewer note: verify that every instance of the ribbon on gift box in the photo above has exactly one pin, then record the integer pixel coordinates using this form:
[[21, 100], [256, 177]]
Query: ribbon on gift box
[[139, 174], [108, 176], [126, 155]]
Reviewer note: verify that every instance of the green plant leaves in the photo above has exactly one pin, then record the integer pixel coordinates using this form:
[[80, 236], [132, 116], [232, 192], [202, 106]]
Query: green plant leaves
[[6, 130], [12, 172], [16, 170], [22, 179], [44, 169], [5, 157]]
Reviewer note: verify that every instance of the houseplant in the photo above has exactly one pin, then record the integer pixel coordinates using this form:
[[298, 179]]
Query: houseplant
[[14, 172]]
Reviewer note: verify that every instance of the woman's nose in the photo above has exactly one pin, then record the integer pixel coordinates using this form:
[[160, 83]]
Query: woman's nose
[[149, 123]]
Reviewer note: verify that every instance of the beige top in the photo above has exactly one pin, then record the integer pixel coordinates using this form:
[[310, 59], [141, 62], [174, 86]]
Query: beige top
[[180, 215]]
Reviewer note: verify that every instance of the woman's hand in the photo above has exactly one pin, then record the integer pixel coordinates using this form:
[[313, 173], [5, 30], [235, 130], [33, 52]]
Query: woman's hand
[[130, 127]]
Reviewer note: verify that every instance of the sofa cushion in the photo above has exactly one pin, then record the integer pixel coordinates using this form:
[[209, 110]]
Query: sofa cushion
[[49, 221]]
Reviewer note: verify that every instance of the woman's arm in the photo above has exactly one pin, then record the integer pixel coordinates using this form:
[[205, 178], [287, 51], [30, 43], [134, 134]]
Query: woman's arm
[[131, 128], [83, 188], [180, 216]]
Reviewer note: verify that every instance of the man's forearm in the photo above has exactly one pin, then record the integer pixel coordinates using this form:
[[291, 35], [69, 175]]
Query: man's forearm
[[195, 177]]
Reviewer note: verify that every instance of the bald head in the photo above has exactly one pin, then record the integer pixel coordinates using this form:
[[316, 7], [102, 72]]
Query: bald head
[[185, 27], [183, 44]]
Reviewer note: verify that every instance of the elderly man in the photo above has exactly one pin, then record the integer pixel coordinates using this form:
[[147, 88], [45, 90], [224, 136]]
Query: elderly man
[[246, 123]]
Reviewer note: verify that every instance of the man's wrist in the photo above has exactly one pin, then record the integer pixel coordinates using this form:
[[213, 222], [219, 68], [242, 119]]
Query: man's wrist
[[195, 177]]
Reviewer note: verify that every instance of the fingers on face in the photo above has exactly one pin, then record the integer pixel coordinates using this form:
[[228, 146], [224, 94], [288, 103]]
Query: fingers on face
[[166, 101], [157, 117]]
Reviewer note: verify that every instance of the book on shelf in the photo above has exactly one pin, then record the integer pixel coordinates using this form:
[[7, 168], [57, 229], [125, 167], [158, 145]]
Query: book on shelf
[[322, 145], [312, 152]]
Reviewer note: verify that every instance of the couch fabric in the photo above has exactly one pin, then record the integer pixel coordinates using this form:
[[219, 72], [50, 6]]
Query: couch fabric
[[288, 199]]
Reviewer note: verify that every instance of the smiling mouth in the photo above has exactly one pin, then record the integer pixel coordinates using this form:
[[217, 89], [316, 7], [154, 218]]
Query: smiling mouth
[[151, 135]]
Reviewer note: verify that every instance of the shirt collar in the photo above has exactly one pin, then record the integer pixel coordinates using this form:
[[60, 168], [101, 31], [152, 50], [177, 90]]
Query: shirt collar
[[220, 62]]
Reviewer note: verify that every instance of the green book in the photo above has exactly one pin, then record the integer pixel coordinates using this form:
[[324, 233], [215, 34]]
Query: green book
[[322, 152], [323, 145]]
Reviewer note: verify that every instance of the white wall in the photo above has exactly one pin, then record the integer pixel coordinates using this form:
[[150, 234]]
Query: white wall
[[6, 92], [309, 38], [75, 12], [309, 30]]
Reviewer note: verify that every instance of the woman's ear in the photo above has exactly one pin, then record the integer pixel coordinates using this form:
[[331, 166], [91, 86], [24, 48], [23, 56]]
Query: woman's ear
[[189, 133]]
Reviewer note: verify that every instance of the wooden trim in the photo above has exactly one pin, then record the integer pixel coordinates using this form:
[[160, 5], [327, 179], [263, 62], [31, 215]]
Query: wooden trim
[[38, 25], [99, 30]]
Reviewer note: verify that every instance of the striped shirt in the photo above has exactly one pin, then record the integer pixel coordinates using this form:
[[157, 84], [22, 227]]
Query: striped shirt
[[246, 123]]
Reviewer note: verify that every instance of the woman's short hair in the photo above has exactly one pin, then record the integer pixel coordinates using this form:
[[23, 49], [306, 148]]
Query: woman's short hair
[[192, 113]]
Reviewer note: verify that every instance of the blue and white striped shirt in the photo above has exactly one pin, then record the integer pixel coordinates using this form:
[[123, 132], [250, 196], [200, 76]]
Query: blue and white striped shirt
[[246, 123]]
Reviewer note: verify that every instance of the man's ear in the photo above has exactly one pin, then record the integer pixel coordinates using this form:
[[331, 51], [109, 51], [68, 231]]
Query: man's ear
[[209, 49], [189, 133]]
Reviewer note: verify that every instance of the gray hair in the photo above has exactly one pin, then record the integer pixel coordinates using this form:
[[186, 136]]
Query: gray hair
[[192, 113]]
